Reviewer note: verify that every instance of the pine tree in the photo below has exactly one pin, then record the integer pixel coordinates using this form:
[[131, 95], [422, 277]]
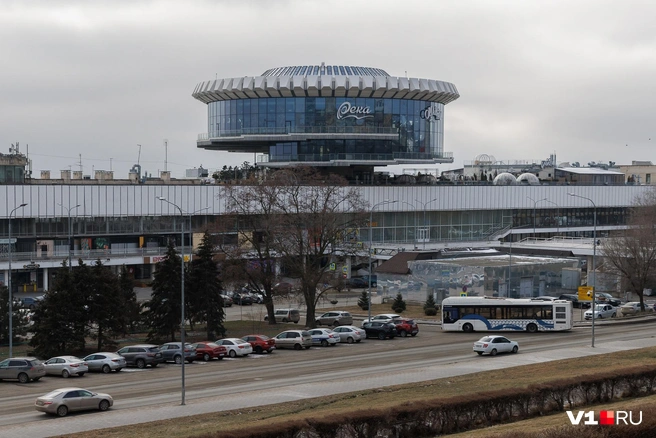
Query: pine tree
[[131, 314], [20, 321], [204, 290], [363, 301], [429, 306], [398, 305], [162, 311], [106, 305]]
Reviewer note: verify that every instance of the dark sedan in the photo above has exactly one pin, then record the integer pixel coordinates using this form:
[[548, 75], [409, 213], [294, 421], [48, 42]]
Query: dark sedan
[[379, 329]]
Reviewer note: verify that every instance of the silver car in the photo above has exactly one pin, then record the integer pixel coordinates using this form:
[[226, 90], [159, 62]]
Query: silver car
[[495, 344], [171, 352], [62, 401], [105, 362], [335, 318], [296, 339], [22, 369], [350, 334], [66, 366]]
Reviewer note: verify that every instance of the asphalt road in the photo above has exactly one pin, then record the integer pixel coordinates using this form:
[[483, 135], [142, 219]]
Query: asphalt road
[[260, 379]]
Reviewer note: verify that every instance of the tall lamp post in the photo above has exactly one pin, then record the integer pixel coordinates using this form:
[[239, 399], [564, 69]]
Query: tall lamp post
[[371, 219], [11, 298], [535, 203], [424, 205], [68, 209], [182, 295], [594, 266]]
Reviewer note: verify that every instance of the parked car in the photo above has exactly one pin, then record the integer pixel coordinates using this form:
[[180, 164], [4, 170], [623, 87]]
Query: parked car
[[65, 366], [30, 302], [335, 318], [22, 369], [606, 298], [235, 346], [633, 307], [379, 329], [575, 301], [286, 315], [384, 317], [142, 355], [324, 337], [260, 343], [358, 282], [495, 344], [227, 301], [242, 299], [207, 351], [601, 311], [350, 334], [171, 352], [62, 401], [296, 339], [105, 362], [405, 327]]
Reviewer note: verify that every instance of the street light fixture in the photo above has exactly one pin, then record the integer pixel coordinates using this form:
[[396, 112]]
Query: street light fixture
[[182, 295], [534, 204], [70, 266], [424, 205], [594, 266], [371, 219], [11, 298]]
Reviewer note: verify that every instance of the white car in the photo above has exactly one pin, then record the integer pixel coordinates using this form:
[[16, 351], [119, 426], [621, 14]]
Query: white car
[[349, 333], [383, 317], [236, 347], [601, 311], [324, 337], [495, 344], [65, 366]]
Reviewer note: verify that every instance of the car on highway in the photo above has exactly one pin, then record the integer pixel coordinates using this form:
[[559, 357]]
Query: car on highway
[[22, 369], [260, 343], [350, 334], [105, 362], [235, 346], [633, 307], [65, 366], [406, 326], [207, 351], [172, 352], [296, 339], [286, 315], [601, 311], [495, 344], [379, 329], [64, 400], [324, 337], [606, 298], [335, 318], [142, 355], [384, 317]]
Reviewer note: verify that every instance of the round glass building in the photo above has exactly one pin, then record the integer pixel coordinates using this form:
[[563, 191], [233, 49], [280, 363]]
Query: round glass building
[[328, 116]]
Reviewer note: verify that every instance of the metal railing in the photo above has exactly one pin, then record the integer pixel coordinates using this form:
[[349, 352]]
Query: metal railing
[[91, 254], [286, 130]]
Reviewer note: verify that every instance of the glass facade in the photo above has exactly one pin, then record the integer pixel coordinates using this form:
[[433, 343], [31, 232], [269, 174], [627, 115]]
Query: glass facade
[[335, 127]]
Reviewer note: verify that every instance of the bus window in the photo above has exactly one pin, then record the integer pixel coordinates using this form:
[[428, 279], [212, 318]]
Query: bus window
[[450, 314]]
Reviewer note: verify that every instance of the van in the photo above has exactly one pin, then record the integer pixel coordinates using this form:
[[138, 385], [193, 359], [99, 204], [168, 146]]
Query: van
[[286, 315]]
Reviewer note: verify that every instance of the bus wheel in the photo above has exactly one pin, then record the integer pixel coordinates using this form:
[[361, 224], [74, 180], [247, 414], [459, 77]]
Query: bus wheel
[[531, 328], [468, 328]]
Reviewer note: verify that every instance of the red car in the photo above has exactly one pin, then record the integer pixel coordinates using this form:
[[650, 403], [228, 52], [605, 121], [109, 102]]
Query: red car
[[405, 327], [209, 350], [261, 343]]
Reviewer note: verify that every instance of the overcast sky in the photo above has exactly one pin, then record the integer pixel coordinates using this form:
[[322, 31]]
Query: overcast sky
[[96, 78]]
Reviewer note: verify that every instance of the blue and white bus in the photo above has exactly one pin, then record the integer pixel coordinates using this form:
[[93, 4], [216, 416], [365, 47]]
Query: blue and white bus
[[470, 314]]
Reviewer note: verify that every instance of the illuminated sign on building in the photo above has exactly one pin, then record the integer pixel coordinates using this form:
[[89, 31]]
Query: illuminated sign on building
[[347, 110]]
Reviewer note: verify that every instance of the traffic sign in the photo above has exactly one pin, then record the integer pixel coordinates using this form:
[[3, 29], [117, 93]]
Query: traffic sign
[[463, 294], [585, 293]]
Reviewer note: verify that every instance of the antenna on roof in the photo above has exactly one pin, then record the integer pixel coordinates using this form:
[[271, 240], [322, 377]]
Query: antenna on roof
[[166, 154], [139, 156]]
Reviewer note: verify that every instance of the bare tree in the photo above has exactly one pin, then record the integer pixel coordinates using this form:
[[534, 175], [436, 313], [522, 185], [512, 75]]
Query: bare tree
[[632, 254], [296, 217]]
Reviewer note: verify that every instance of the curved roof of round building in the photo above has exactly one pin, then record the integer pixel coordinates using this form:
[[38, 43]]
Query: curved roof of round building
[[325, 81]]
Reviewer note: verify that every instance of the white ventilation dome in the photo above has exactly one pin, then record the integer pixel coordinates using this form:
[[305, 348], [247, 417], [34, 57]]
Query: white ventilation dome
[[505, 179], [528, 178]]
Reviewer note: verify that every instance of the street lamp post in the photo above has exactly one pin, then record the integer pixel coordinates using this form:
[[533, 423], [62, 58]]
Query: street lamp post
[[424, 205], [182, 295], [371, 219], [594, 266], [535, 203], [68, 209], [11, 298]]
